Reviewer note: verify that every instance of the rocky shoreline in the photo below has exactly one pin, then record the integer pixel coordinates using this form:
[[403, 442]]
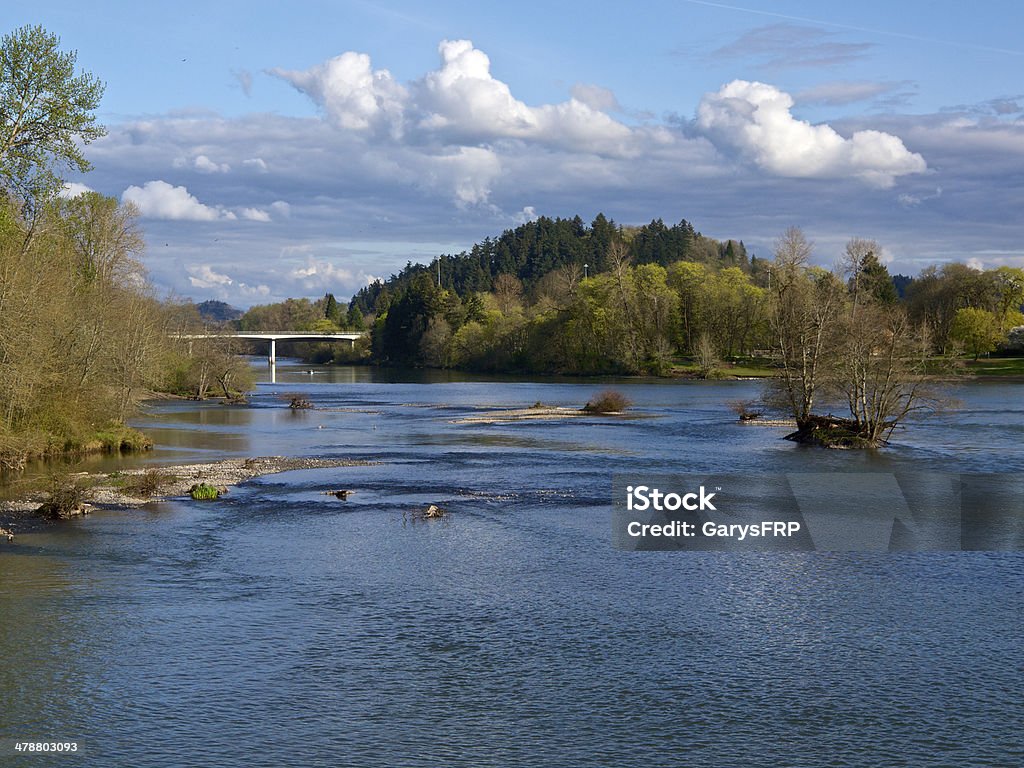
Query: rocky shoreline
[[136, 487]]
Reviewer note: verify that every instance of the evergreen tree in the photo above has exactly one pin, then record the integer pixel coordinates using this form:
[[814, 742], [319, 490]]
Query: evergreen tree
[[332, 311], [354, 318], [876, 281]]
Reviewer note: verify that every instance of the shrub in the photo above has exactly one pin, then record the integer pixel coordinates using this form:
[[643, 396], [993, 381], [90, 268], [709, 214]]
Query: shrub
[[65, 498], [746, 410], [147, 484], [204, 492], [609, 401], [121, 439]]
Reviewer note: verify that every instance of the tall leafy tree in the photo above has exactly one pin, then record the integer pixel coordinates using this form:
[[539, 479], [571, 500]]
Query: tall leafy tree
[[46, 112], [976, 329]]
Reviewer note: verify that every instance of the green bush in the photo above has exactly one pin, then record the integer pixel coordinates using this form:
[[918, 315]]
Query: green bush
[[204, 492]]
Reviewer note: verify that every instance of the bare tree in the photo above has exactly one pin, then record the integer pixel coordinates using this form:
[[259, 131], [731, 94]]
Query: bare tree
[[835, 339], [618, 258], [706, 355], [804, 306], [882, 370], [508, 292]]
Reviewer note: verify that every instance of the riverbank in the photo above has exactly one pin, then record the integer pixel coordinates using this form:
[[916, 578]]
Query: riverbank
[[136, 487], [17, 450]]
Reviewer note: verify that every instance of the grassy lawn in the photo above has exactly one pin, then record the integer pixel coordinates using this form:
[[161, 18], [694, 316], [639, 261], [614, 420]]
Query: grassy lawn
[[755, 368], [997, 366]]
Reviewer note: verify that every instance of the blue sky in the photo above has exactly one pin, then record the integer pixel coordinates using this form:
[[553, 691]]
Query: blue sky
[[278, 150]]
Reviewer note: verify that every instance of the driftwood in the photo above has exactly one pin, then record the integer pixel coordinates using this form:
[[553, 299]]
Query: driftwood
[[341, 494], [432, 512]]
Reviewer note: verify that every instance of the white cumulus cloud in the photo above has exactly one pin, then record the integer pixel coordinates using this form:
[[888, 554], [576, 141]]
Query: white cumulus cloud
[[754, 120], [322, 275], [529, 213], [350, 91], [160, 200], [465, 101], [74, 189], [200, 163], [459, 103], [203, 164], [462, 94], [204, 276]]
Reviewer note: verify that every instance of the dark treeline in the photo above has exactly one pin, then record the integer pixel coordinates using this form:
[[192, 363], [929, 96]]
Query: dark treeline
[[533, 250]]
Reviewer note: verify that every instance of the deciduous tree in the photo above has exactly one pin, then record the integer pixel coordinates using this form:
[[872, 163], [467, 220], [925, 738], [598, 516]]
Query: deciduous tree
[[46, 112]]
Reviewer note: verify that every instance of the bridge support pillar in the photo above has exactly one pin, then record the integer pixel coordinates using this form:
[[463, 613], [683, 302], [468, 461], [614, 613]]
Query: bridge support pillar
[[273, 351]]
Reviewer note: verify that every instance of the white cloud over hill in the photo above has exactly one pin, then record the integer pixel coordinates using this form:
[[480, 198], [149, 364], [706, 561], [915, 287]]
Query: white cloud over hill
[[393, 171]]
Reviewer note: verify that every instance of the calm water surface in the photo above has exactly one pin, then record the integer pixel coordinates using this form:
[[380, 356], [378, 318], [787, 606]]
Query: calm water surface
[[282, 627]]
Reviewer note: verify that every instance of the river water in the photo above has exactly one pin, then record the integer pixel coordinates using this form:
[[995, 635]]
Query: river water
[[283, 627]]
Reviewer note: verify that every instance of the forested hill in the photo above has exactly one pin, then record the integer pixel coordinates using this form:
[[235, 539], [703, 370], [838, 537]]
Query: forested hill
[[532, 250]]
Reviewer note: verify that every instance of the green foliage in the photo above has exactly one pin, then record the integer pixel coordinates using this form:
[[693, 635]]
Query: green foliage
[[535, 249], [118, 438], [936, 295], [288, 315], [332, 312], [82, 337], [204, 492], [199, 368], [976, 329], [354, 318], [46, 112]]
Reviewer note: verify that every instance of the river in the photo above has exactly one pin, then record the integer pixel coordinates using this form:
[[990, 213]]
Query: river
[[283, 627]]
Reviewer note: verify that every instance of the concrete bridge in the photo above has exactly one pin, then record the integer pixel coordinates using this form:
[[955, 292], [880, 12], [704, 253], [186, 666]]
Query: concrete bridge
[[275, 336]]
